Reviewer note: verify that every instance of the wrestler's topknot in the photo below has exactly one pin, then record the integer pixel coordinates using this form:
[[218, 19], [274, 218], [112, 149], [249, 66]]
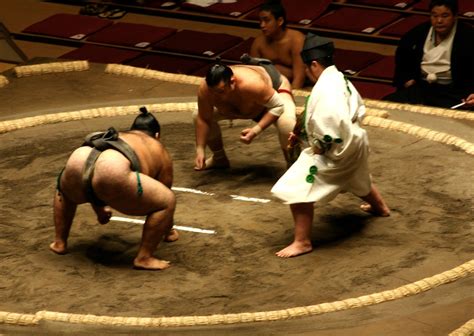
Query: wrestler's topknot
[[146, 122], [218, 73]]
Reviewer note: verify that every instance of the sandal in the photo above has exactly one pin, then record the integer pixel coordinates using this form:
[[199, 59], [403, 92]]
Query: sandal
[[114, 14]]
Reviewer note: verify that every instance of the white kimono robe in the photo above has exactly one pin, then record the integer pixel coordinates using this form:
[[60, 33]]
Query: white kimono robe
[[331, 123]]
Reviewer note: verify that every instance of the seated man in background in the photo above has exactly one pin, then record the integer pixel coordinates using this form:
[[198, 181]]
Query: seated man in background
[[435, 60], [253, 92], [280, 44], [129, 171]]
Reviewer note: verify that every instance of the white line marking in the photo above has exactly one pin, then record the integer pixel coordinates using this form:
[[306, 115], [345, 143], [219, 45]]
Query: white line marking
[[194, 191], [236, 197], [249, 199], [177, 227]]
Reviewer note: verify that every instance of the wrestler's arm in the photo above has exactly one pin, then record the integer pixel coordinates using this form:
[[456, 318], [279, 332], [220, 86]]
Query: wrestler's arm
[[203, 122], [299, 68], [268, 97]]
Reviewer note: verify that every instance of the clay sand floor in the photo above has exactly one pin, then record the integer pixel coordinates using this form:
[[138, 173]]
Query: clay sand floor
[[428, 185]]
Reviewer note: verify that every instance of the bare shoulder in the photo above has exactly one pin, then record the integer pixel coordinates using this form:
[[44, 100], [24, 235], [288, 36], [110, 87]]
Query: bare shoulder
[[254, 83], [296, 35], [249, 76]]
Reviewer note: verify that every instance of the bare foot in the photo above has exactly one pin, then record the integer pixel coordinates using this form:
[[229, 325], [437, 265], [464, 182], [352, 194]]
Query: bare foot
[[58, 247], [368, 208], [150, 263], [103, 215], [294, 249], [172, 236], [212, 163]]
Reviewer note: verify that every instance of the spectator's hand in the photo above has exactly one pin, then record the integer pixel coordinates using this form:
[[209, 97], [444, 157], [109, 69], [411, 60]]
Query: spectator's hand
[[247, 135], [469, 100], [409, 83]]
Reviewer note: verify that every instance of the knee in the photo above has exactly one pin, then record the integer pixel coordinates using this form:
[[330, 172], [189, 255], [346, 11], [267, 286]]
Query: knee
[[170, 201]]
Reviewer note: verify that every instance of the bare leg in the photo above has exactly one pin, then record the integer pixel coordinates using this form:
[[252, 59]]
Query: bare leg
[[171, 236], [303, 217], [375, 203], [103, 213], [64, 211], [156, 226]]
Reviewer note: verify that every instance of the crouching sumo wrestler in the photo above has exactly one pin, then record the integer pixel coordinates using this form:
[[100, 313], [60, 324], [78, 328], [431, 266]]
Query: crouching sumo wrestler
[[130, 172]]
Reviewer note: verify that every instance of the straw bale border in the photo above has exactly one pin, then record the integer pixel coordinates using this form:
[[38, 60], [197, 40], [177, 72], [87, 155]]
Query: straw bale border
[[414, 288], [3, 81], [420, 132], [46, 68], [464, 330]]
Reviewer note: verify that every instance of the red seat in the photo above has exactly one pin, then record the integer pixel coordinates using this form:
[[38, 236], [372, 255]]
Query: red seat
[[70, 26], [401, 4], [234, 9], [403, 26], [372, 90], [357, 20], [132, 34], [191, 42], [383, 69], [101, 54], [352, 61], [234, 54], [166, 63]]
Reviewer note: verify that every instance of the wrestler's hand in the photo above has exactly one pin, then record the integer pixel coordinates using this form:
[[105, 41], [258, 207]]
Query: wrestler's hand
[[247, 135], [200, 160]]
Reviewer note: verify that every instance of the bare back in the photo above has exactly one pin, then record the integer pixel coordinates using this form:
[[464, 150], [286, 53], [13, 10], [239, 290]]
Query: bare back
[[112, 172]]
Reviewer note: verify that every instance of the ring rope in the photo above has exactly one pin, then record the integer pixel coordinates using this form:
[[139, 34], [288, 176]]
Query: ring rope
[[3, 81], [56, 67], [465, 330], [436, 111], [263, 316], [111, 111], [420, 132], [372, 119], [127, 70]]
